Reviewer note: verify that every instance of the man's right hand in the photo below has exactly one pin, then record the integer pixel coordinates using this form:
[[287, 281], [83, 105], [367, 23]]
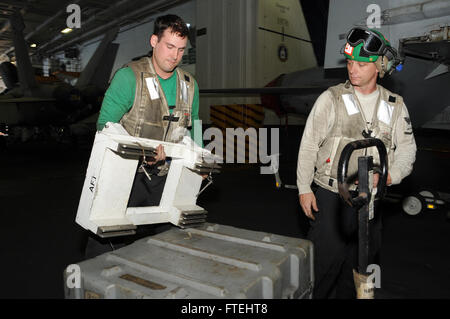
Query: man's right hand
[[160, 156], [308, 201]]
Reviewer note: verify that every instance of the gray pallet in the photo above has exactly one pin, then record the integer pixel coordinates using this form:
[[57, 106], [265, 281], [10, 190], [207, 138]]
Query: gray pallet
[[212, 261]]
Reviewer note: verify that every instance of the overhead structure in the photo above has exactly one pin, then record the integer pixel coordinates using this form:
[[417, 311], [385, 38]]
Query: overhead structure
[[26, 102], [45, 19], [419, 29]]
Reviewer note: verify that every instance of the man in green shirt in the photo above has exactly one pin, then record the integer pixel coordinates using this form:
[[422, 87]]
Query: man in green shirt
[[143, 98], [153, 98]]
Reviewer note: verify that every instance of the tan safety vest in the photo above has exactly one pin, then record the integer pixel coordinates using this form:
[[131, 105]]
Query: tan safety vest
[[149, 116], [349, 125]]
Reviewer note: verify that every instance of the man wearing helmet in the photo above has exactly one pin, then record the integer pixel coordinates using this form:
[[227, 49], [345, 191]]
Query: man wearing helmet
[[354, 110]]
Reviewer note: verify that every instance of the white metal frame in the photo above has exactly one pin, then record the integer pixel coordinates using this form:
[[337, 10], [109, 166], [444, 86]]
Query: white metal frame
[[109, 178]]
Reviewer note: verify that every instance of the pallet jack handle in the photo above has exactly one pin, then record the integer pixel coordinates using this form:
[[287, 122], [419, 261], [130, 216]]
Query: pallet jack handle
[[364, 205], [343, 180]]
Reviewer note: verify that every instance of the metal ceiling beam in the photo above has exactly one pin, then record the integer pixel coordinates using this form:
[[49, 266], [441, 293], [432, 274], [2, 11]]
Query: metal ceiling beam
[[39, 12], [88, 35], [97, 4], [108, 14], [44, 24], [7, 11], [14, 3], [89, 21]]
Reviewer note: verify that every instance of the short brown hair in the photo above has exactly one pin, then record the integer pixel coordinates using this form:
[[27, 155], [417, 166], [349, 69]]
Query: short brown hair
[[170, 21]]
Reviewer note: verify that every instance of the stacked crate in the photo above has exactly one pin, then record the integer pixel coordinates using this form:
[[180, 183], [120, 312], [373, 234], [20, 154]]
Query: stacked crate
[[212, 261]]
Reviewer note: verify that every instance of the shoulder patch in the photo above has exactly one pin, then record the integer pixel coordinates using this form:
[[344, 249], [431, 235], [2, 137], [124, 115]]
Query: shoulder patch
[[392, 99], [187, 78]]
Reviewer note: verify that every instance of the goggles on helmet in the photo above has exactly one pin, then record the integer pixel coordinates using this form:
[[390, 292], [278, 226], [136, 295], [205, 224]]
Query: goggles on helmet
[[374, 42]]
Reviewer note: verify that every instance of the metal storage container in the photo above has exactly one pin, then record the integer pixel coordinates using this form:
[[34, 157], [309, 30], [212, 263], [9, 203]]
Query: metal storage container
[[212, 261]]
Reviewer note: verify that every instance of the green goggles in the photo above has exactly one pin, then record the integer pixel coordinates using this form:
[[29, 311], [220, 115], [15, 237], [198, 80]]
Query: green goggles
[[374, 43]]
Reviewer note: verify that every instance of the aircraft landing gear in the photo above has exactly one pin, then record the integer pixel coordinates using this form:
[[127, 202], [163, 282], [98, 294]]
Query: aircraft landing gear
[[422, 201]]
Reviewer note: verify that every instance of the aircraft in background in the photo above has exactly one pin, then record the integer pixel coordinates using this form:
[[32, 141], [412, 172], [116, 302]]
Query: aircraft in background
[[28, 106], [423, 81], [424, 47]]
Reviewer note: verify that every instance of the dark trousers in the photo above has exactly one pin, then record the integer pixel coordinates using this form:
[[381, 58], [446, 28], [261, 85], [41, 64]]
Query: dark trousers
[[334, 233], [144, 193]]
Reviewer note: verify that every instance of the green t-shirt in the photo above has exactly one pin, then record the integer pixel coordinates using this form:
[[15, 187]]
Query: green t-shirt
[[119, 98]]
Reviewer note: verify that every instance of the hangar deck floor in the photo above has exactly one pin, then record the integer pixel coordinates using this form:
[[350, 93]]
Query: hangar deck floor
[[40, 186]]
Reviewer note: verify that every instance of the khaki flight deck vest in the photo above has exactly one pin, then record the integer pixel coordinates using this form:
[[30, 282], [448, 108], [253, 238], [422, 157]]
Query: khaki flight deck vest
[[149, 116], [349, 125]]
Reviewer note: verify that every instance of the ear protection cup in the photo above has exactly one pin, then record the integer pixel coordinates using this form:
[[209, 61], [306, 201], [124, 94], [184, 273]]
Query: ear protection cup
[[391, 60], [388, 62], [382, 64], [385, 65]]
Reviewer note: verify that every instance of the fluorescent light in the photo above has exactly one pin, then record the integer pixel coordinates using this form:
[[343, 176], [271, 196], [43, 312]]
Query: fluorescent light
[[188, 25], [66, 30], [33, 45]]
